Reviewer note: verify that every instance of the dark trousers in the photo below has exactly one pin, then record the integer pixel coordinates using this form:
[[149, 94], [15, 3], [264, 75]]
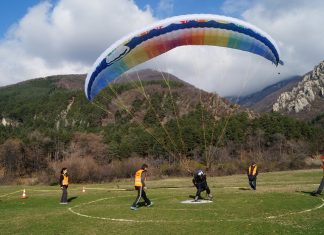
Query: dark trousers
[[200, 188], [320, 187], [64, 194], [141, 193], [252, 182]]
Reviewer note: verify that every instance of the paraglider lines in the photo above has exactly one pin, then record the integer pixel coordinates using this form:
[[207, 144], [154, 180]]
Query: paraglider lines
[[122, 105], [175, 114]]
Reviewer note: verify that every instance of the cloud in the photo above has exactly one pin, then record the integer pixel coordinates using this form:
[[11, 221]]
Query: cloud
[[226, 71], [68, 37], [296, 26], [234, 6], [165, 8]]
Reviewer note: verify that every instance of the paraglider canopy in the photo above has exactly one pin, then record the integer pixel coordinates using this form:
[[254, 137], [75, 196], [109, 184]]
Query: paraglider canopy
[[156, 39]]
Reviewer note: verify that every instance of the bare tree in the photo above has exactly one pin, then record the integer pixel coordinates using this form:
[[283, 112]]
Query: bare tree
[[12, 157]]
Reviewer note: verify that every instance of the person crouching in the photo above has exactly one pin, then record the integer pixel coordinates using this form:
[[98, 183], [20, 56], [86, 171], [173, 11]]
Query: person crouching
[[200, 181]]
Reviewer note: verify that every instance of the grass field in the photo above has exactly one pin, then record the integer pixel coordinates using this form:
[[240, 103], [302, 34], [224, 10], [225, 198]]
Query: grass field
[[281, 205]]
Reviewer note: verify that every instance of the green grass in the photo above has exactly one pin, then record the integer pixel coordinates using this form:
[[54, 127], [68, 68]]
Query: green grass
[[235, 210]]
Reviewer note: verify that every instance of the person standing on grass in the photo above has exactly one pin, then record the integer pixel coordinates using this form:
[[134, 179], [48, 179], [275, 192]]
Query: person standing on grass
[[200, 181], [140, 180], [252, 173], [64, 183], [321, 186]]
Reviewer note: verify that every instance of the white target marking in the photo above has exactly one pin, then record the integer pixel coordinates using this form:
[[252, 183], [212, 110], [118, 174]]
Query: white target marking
[[196, 202], [102, 218], [5, 195], [71, 209], [298, 212], [97, 217]]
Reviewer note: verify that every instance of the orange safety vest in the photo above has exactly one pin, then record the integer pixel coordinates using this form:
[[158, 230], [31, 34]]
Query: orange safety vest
[[138, 178], [253, 170], [65, 180]]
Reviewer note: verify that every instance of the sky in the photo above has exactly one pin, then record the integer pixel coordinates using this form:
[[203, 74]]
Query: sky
[[42, 38]]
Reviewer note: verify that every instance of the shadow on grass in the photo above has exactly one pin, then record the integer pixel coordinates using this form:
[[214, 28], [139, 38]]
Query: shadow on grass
[[311, 193], [71, 199], [244, 188], [141, 204], [194, 196]]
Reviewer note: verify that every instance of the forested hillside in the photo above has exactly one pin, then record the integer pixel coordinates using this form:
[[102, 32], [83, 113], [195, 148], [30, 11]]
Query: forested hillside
[[47, 123]]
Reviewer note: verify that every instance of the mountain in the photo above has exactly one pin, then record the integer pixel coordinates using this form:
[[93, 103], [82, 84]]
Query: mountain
[[47, 123], [306, 99], [263, 100], [63, 101]]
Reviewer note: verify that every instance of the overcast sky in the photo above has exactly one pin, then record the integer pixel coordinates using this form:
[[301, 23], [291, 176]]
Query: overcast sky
[[41, 38]]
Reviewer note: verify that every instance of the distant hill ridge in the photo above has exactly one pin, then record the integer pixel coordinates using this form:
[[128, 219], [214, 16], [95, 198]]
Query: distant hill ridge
[[64, 94], [266, 102], [267, 96], [76, 81]]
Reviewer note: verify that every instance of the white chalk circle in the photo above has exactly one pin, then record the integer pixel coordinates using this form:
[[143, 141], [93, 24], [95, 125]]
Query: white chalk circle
[[196, 202]]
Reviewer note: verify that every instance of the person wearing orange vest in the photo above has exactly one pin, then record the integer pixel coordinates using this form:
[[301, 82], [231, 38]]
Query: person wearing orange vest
[[140, 178], [321, 186], [252, 173], [64, 183]]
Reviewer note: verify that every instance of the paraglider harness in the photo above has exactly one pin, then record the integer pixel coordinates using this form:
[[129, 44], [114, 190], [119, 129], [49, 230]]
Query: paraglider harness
[[200, 181]]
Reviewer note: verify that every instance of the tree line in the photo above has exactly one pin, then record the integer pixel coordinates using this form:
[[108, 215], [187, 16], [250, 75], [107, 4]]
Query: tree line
[[87, 140]]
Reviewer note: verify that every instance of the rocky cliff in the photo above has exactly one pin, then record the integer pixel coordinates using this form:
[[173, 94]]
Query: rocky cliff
[[307, 98]]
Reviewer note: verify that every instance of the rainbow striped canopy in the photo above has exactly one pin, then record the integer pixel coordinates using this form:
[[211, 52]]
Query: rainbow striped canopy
[[198, 29]]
